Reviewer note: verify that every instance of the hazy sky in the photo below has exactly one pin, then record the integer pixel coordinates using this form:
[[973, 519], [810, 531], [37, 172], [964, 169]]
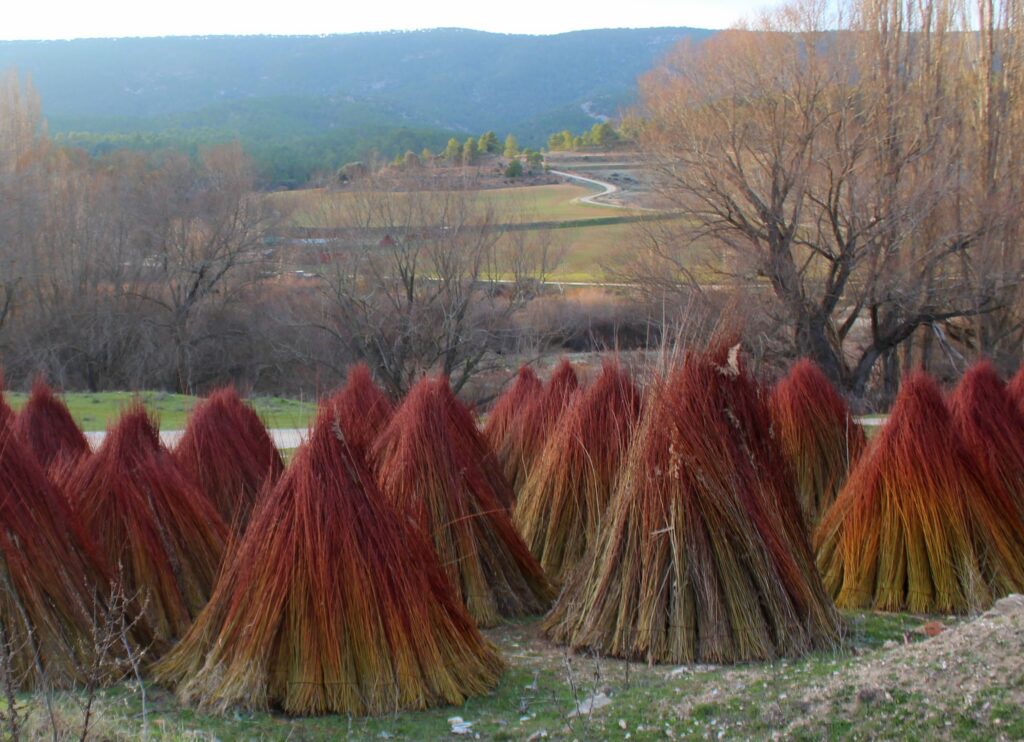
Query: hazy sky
[[64, 19]]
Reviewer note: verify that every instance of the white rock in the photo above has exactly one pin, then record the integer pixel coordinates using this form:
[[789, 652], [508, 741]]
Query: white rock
[[591, 704]]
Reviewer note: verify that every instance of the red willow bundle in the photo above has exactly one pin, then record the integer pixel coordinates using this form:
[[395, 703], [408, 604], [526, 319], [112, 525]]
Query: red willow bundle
[[817, 435], [363, 410], [48, 430], [1016, 389], [227, 451], [524, 389], [562, 505], [703, 556], [331, 603], [52, 577], [527, 432], [436, 468], [916, 528], [151, 523]]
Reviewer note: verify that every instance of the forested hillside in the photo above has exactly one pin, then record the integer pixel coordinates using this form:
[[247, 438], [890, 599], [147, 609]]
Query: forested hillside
[[298, 101]]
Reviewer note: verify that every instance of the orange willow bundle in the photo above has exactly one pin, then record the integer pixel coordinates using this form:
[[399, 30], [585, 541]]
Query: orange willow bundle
[[331, 603], [363, 410], [152, 523], [703, 556], [817, 434], [561, 508], [1016, 389], [51, 576], [524, 389], [916, 528], [992, 428], [227, 451], [48, 430], [436, 468], [527, 432]]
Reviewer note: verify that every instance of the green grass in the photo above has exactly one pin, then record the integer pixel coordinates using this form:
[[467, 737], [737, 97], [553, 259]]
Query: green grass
[[94, 411], [543, 684]]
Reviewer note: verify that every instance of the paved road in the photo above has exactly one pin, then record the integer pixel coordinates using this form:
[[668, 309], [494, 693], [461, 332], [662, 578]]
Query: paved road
[[282, 437], [608, 189]]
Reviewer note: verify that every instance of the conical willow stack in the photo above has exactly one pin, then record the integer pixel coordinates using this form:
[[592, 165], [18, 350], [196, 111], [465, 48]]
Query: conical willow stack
[[562, 506], [704, 557], [524, 439], [992, 429], [228, 453], [151, 523], [517, 398], [331, 604], [817, 434], [48, 430], [915, 528], [363, 410], [436, 468], [53, 583]]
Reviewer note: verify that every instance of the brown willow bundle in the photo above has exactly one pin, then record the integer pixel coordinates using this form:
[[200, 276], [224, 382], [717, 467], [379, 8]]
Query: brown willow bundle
[[331, 603], [561, 508], [817, 435], [436, 468], [363, 410], [52, 579], [526, 434], [227, 451], [524, 389], [915, 528], [703, 556], [992, 428], [48, 430], [151, 523]]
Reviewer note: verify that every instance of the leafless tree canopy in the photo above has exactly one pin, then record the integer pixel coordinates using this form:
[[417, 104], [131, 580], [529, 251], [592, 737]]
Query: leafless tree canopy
[[858, 164]]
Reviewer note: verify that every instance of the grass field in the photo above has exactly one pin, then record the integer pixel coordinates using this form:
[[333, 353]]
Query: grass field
[[95, 411], [544, 684], [544, 203]]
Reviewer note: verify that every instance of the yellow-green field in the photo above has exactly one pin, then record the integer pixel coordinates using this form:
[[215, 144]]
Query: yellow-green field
[[94, 411], [546, 203]]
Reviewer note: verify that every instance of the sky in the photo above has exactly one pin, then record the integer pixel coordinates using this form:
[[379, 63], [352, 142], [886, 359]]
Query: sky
[[68, 19]]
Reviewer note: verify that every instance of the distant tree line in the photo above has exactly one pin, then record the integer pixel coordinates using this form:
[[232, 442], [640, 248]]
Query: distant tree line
[[601, 134]]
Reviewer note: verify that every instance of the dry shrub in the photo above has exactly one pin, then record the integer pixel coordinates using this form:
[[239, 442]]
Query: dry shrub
[[331, 604], [152, 523], [436, 468], [704, 557], [525, 437], [915, 528], [227, 451], [562, 505], [47, 428], [51, 576], [817, 434]]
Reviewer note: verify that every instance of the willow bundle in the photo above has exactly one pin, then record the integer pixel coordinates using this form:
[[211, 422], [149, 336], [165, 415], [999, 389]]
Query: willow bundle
[[524, 389], [526, 434], [331, 603], [6, 413], [1016, 389], [562, 505], [151, 522], [699, 559], [363, 409], [915, 528], [436, 468], [227, 451], [48, 430], [817, 434], [51, 577], [992, 429]]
